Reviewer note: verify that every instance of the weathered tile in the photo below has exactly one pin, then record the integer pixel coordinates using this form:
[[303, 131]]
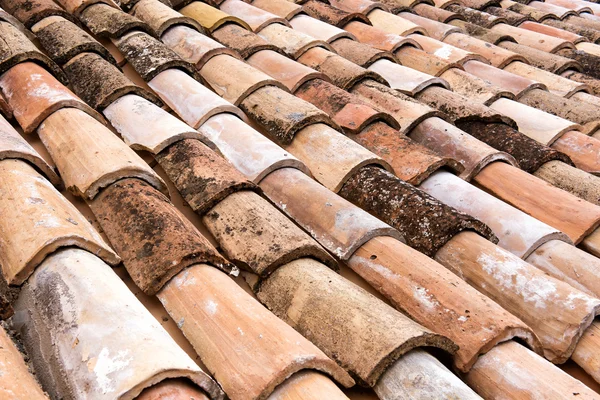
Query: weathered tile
[[530, 154], [331, 157], [294, 43], [255, 17], [531, 12], [391, 23], [409, 210], [555, 83], [382, 334], [191, 100], [573, 180], [476, 31], [318, 29], [412, 162], [517, 232], [536, 40], [588, 60], [257, 237], [76, 316], [160, 17], [34, 94], [89, 156], [281, 114], [193, 46], [347, 110], [558, 317], [289, 72], [34, 11], [360, 6], [100, 83], [335, 223], [5, 110], [234, 80], [505, 15], [37, 221], [281, 8], [109, 22], [201, 176], [407, 111], [476, 89], [446, 51], [547, 61], [16, 48], [405, 80], [145, 126], [246, 348], [441, 15], [438, 299], [583, 150], [177, 388], [242, 40], [497, 56], [75, 7], [127, 5], [558, 11], [573, 5], [154, 239], [12, 145], [16, 382], [332, 15], [435, 29], [458, 108], [449, 141], [419, 60], [573, 216], [250, 152], [573, 25], [360, 53], [396, 6], [308, 385], [502, 78], [343, 73], [209, 17], [63, 40], [149, 57], [375, 37], [479, 4], [542, 127]]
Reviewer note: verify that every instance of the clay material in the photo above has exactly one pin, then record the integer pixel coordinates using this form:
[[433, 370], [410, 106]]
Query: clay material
[[255, 17], [530, 154], [449, 141], [12, 145], [536, 124], [476, 89], [149, 57], [405, 80], [338, 225], [497, 56], [582, 149], [209, 17], [319, 29], [573, 216], [418, 59], [191, 100], [75, 314], [63, 40], [281, 114], [37, 221], [75, 7], [145, 126], [375, 37], [161, 17], [556, 84], [515, 84], [193, 46], [517, 232], [33, 11], [360, 6], [16, 48], [573, 180], [307, 385], [435, 297], [243, 41], [347, 110], [587, 60], [291, 41], [411, 161], [332, 15], [391, 23], [246, 348], [536, 40], [289, 72], [176, 389], [281, 8], [201, 176], [250, 152], [257, 237], [558, 315], [100, 83], [154, 239], [109, 22], [89, 156], [435, 29], [445, 51], [409, 210], [308, 296], [33, 94], [343, 73], [234, 80], [360, 53], [547, 61]]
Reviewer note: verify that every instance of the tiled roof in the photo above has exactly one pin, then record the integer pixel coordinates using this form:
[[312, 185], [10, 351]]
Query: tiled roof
[[408, 188]]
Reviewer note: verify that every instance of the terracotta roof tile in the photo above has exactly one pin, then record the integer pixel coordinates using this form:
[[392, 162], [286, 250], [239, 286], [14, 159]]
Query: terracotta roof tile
[[255, 17], [332, 15], [282, 8], [362, 54], [242, 41], [161, 17], [106, 21], [209, 17], [34, 11], [292, 42]]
